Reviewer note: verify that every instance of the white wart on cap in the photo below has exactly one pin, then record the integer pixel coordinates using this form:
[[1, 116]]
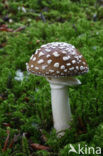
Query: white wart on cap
[[57, 59]]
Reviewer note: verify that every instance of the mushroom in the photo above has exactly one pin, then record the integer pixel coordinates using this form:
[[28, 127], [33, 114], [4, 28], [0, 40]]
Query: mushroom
[[59, 62]]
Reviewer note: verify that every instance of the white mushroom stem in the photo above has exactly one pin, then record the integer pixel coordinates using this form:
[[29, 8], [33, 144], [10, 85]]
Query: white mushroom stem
[[60, 102], [60, 107]]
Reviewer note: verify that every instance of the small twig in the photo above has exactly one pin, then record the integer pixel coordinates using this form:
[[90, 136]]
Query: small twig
[[43, 137], [42, 17], [13, 140], [82, 128], [5, 28], [1, 97], [74, 27], [19, 29], [81, 122], [6, 141]]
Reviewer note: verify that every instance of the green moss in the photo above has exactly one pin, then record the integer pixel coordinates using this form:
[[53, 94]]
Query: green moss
[[26, 105]]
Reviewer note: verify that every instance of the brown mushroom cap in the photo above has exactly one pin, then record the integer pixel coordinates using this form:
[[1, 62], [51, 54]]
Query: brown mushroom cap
[[57, 59]]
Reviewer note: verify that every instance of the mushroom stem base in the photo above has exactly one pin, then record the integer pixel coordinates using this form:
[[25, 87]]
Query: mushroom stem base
[[60, 107]]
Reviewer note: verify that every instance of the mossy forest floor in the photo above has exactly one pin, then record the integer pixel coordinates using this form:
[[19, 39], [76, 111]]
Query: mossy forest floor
[[25, 103]]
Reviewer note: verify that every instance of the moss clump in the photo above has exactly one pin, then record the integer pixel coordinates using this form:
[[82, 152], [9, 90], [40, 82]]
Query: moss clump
[[25, 106]]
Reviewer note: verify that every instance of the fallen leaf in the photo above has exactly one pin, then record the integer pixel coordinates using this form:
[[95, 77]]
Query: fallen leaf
[[6, 124], [39, 147], [5, 28], [26, 99]]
